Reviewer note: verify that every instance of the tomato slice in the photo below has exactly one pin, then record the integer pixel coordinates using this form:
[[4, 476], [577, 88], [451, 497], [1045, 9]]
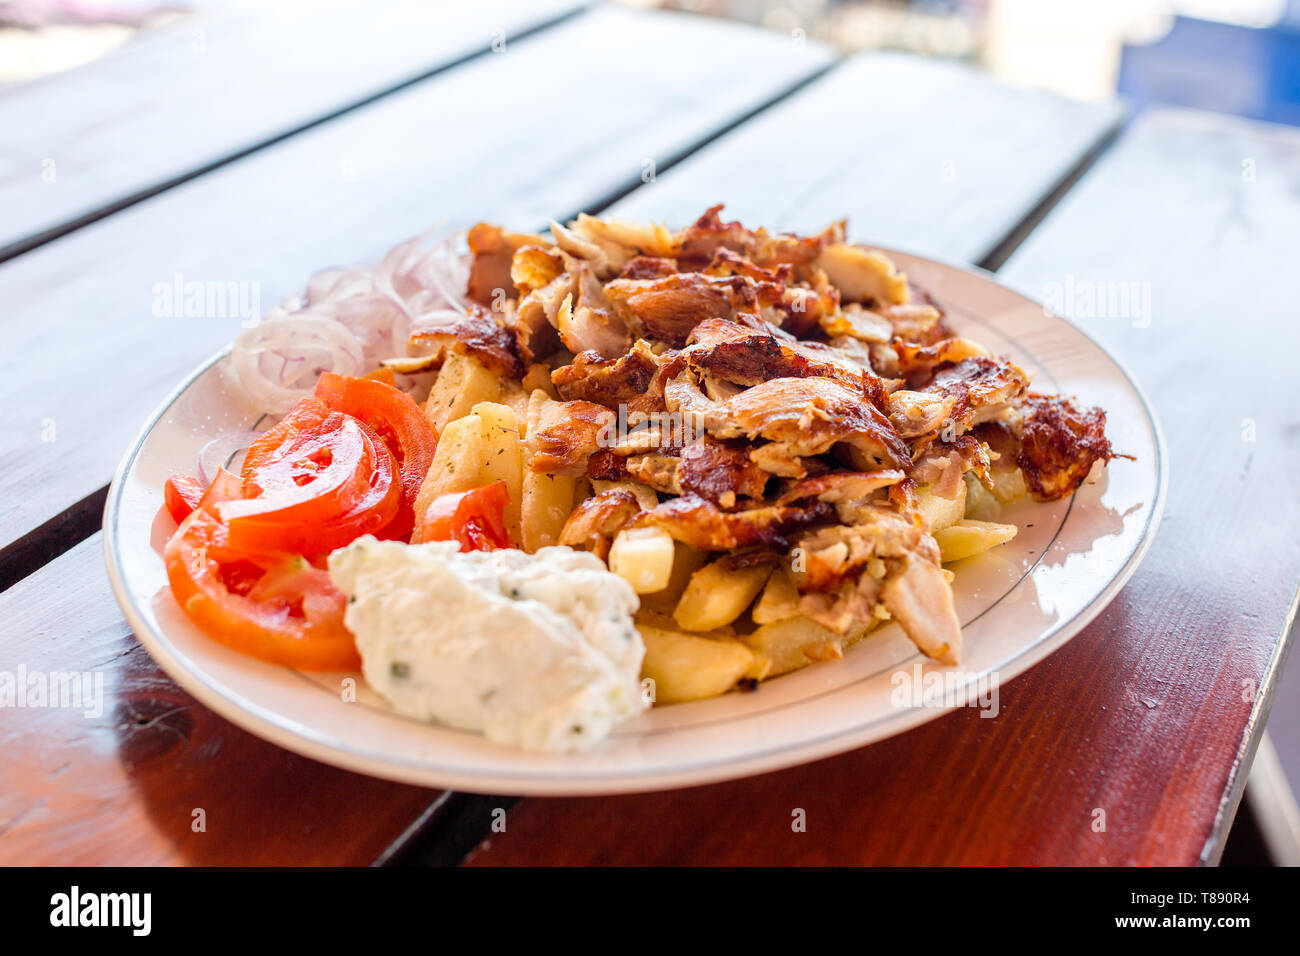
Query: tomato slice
[[317, 474], [326, 486], [290, 615], [306, 414], [181, 495], [475, 518], [399, 421]]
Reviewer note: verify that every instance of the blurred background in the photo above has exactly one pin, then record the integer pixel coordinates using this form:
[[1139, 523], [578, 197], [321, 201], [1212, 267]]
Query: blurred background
[[1150, 51]]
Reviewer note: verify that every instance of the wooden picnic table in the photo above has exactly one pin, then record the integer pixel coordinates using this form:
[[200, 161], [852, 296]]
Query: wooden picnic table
[[250, 146]]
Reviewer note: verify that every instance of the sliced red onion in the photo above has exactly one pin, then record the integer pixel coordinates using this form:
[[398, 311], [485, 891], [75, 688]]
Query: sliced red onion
[[349, 320], [276, 363]]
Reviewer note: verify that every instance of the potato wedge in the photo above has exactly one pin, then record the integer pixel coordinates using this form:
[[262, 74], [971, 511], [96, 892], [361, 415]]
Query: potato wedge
[[455, 465], [537, 377], [686, 667], [516, 396], [779, 600], [503, 457], [968, 538], [461, 384], [793, 643], [686, 561], [643, 557], [717, 594], [980, 503], [546, 500], [939, 512], [1008, 484]]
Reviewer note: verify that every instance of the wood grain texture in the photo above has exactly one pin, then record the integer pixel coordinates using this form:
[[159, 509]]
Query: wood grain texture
[[1152, 712], [556, 123], [121, 786], [929, 156], [227, 79]]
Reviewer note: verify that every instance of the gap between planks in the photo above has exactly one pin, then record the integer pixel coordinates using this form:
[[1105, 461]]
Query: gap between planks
[[36, 240]]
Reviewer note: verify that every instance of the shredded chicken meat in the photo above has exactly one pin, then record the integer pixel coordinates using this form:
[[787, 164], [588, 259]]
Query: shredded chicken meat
[[784, 396]]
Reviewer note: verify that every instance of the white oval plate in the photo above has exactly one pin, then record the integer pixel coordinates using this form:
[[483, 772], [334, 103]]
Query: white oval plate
[[1017, 604]]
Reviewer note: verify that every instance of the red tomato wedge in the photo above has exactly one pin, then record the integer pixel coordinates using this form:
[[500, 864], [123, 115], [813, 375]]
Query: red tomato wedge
[[474, 518], [317, 474], [327, 486], [181, 495], [399, 421], [288, 614], [302, 416]]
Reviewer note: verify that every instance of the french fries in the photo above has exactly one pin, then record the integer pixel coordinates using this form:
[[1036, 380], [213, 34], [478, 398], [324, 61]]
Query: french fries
[[687, 667], [461, 384], [779, 600], [503, 450], [686, 561], [939, 512], [474, 450], [717, 594], [643, 557], [967, 538], [1008, 484], [455, 466], [980, 503], [793, 643], [545, 500]]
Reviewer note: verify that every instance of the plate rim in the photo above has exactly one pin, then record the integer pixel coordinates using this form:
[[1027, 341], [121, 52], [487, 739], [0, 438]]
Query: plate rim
[[264, 724]]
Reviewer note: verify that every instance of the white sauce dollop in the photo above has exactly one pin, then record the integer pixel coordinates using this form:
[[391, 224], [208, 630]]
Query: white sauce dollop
[[535, 650]]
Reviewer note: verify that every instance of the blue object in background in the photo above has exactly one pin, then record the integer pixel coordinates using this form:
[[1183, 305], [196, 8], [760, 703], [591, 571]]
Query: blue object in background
[[1216, 66]]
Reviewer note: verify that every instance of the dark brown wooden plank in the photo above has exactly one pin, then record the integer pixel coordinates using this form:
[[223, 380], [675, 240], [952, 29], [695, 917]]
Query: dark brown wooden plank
[[184, 96], [1151, 714], [122, 786], [558, 122], [924, 155]]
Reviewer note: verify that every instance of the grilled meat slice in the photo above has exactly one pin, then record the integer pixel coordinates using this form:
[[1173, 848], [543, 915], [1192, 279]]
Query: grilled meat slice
[[957, 397], [702, 524], [1059, 444], [649, 267], [839, 487], [609, 382], [944, 464], [477, 334], [596, 520], [885, 554], [700, 242], [720, 471], [747, 356], [655, 469], [590, 321], [494, 251], [810, 415], [604, 465], [919, 597], [918, 362], [568, 434], [671, 307]]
